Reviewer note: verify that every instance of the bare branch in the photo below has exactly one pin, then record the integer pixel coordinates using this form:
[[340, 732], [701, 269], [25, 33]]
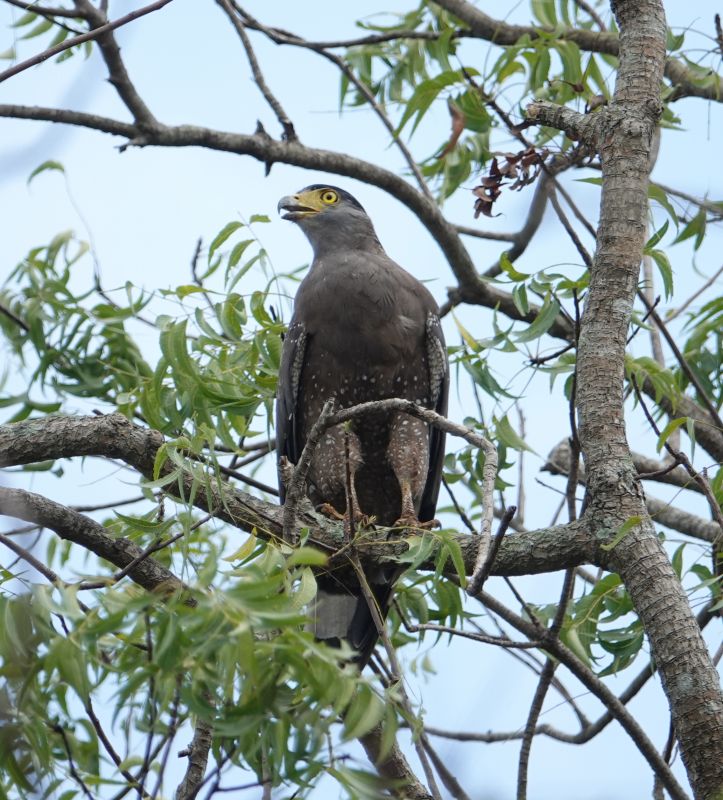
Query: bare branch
[[114, 436], [548, 673], [88, 533], [578, 127], [197, 754], [394, 767], [558, 463], [588, 678], [94, 34], [283, 37], [472, 289], [487, 553], [271, 99]]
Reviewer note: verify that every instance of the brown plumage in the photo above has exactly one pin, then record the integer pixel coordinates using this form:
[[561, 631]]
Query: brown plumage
[[362, 329]]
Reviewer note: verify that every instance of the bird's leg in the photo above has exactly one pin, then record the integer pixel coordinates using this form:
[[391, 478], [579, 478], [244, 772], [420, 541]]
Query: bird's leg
[[354, 516], [348, 462], [408, 453]]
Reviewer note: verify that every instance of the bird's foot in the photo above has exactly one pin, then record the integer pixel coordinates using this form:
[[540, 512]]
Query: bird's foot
[[328, 510], [411, 522], [361, 520]]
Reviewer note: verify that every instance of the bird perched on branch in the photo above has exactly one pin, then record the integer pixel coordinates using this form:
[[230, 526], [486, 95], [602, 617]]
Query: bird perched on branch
[[362, 329]]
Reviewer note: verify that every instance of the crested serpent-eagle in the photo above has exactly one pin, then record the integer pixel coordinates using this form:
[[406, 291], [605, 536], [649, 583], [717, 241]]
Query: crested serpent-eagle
[[362, 329]]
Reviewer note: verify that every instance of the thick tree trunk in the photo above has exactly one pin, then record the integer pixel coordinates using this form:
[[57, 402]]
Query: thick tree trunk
[[624, 137]]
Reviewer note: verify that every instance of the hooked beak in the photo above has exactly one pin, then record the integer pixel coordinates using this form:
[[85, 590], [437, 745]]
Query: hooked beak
[[294, 208]]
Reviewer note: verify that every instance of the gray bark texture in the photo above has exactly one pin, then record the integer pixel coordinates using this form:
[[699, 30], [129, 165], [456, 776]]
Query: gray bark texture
[[623, 134], [113, 436]]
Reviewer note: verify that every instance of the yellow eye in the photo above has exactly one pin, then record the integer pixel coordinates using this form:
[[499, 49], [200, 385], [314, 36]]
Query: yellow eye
[[329, 197]]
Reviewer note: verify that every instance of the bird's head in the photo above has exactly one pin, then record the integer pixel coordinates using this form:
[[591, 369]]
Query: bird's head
[[330, 217]]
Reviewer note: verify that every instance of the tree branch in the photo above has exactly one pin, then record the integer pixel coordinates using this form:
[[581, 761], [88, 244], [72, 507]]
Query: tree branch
[[97, 33], [624, 137], [113, 436], [394, 767], [88, 533], [197, 754], [558, 463], [283, 118], [499, 32], [472, 289]]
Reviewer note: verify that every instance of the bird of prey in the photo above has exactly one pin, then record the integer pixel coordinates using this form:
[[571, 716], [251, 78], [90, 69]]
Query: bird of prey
[[362, 329]]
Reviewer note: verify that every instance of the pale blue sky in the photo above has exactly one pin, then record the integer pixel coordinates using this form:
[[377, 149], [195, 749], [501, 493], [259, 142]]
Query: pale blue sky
[[145, 209]]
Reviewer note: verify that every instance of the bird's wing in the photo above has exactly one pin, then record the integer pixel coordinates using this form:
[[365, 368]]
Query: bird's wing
[[439, 393], [288, 438]]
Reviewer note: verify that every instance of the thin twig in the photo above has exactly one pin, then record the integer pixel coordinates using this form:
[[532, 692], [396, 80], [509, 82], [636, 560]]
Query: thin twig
[[460, 511], [271, 99], [692, 377], [599, 689], [478, 578], [535, 708], [71, 764], [590, 11], [497, 641], [667, 754], [14, 317], [284, 37], [88, 36], [588, 730], [571, 232], [450, 782], [682, 459]]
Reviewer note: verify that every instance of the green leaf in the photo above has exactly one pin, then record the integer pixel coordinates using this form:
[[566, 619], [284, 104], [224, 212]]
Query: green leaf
[[665, 269], [307, 555], [426, 93], [656, 237], [506, 434], [46, 166], [544, 11], [469, 340], [222, 236], [365, 711], [519, 297], [623, 531], [542, 323], [673, 41], [507, 267], [696, 227], [660, 197], [42, 26], [259, 218], [673, 425], [185, 290], [26, 19], [677, 560]]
